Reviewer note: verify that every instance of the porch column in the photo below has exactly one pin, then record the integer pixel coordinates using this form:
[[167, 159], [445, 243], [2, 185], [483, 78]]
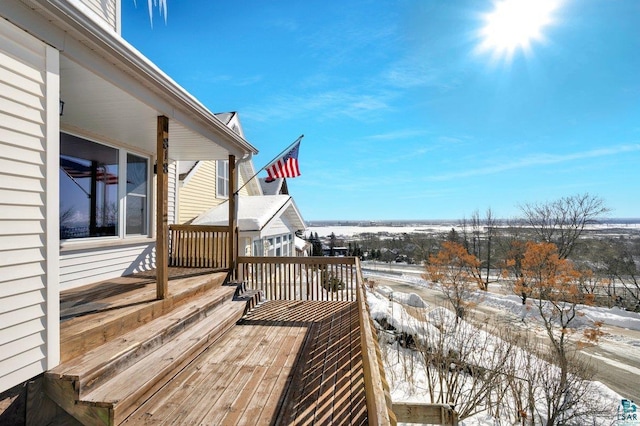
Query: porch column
[[233, 215], [162, 209]]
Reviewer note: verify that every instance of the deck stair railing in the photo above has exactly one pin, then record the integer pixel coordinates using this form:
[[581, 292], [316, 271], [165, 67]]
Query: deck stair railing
[[199, 246]]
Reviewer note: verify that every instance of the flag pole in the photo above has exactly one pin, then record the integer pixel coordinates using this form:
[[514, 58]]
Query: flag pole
[[269, 163]]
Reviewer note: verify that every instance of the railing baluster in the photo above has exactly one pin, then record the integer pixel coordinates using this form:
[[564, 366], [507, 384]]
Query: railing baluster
[[304, 278], [198, 246]]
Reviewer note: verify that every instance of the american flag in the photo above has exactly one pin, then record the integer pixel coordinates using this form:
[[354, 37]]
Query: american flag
[[285, 166]]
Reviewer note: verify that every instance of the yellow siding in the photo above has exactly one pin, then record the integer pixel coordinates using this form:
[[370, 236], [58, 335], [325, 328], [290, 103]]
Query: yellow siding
[[199, 193], [241, 182]]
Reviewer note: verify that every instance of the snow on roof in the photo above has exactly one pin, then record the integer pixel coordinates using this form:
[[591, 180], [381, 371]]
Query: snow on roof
[[254, 213], [300, 243]]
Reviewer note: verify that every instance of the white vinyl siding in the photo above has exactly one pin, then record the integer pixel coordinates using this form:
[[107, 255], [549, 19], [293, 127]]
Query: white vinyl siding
[[85, 266], [29, 294], [172, 204], [278, 226], [106, 10]]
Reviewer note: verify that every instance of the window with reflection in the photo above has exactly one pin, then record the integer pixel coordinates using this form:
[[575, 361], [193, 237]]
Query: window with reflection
[[93, 202]]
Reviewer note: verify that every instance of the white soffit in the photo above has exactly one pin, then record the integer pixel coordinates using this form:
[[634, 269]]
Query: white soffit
[[102, 110]]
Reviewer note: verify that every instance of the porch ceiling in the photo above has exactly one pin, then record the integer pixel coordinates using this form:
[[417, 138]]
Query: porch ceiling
[[100, 109]]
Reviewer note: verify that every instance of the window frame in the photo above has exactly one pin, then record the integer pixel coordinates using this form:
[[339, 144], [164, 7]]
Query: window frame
[[122, 194], [222, 179]]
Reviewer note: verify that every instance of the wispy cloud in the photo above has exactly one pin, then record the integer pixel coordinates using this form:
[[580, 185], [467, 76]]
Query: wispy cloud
[[537, 160], [229, 80], [328, 104], [342, 41], [289, 25], [449, 140], [398, 134], [413, 72]]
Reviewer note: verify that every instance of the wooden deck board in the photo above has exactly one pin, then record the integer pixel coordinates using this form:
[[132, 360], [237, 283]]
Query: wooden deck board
[[167, 406], [255, 405], [97, 313], [285, 363]]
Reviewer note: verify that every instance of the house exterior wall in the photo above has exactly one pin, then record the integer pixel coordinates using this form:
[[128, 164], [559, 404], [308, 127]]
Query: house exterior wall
[[29, 144], [277, 239], [278, 226], [89, 265], [199, 193], [106, 10]]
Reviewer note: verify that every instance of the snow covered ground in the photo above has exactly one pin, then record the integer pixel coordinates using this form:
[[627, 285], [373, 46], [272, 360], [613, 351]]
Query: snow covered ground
[[441, 227], [391, 305]]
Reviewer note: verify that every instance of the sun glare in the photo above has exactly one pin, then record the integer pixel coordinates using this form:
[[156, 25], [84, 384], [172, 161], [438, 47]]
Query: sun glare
[[514, 25]]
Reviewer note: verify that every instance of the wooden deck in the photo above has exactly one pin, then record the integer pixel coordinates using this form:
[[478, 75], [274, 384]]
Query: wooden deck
[[93, 314], [285, 362]]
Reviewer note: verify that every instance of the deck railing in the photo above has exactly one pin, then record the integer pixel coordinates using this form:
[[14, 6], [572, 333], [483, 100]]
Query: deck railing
[[300, 278], [199, 246], [379, 403], [326, 278], [307, 278]]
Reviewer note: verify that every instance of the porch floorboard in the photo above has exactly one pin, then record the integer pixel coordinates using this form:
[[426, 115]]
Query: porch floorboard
[[286, 362], [93, 314]]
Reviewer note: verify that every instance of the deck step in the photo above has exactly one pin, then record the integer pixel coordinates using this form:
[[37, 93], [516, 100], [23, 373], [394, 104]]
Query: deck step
[[106, 384], [120, 314]]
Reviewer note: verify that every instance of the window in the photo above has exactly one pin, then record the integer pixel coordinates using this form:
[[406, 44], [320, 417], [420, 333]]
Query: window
[[101, 187], [136, 217], [222, 181]]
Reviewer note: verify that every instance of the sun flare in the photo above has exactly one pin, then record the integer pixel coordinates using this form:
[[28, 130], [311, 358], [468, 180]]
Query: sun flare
[[514, 25]]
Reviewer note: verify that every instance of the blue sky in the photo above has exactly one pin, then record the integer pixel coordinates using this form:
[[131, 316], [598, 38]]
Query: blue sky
[[414, 109]]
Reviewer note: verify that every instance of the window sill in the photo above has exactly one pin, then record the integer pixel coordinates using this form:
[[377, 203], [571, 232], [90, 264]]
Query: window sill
[[69, 246]]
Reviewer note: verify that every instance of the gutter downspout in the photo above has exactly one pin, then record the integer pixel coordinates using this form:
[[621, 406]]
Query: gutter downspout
[[233, 213]]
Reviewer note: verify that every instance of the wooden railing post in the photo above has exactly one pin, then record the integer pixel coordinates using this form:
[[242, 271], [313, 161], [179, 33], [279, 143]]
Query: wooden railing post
[[233, 215], [162, 208]]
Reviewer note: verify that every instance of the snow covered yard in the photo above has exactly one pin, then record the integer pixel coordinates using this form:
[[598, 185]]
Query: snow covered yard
[[474, 358]]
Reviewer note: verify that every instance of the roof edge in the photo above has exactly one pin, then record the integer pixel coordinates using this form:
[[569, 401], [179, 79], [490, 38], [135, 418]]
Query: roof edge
[[105, 40]]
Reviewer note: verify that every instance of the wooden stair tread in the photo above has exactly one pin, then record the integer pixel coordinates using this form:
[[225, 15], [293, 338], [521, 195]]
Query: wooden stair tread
[[138, 378], [108, 383], [123, 360], [92, 361], [112, 316], [236, 375]]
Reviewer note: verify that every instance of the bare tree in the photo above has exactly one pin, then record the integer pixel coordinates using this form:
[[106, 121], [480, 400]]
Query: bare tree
[[490, 224], [620, 264], [563, 221], [464, 365]]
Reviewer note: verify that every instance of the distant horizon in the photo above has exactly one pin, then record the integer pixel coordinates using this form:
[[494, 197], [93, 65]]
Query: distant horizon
[[389, 222]]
